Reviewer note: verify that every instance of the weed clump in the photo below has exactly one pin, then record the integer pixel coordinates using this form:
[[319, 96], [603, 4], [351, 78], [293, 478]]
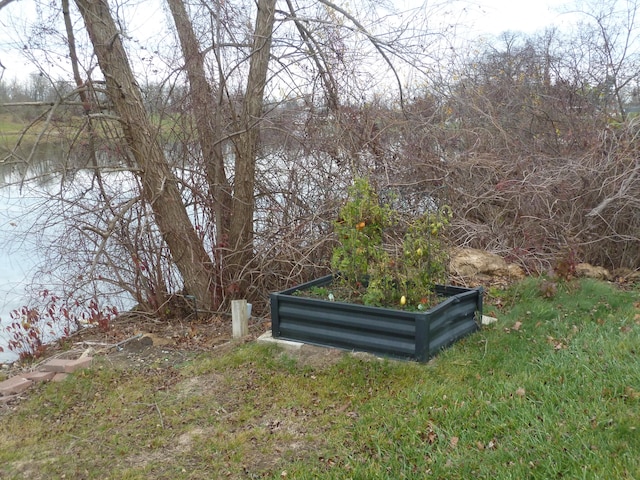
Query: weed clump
[[32, 327]]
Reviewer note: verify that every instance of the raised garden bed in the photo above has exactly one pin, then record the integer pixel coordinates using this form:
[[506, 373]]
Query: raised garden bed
[[412, 335]]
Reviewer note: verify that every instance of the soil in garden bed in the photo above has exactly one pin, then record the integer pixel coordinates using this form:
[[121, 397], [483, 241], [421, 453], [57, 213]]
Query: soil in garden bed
[[340, 292]]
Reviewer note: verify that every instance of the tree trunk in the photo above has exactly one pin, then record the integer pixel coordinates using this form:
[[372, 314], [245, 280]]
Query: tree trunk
[[160, 186], [246, 144], [208, 125]]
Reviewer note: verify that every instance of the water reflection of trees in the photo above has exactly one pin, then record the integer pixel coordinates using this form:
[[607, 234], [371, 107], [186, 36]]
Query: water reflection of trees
[[48, 162]]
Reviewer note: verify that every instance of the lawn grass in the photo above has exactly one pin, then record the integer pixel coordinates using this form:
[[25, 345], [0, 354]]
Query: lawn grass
[[10, 131], [13, 128], [552, 390], [10, 126]]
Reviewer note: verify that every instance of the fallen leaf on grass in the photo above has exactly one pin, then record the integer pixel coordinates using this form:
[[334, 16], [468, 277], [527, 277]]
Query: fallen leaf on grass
[[516, 326], [631, 393], [521, 392], [430, 436], [557, 344], [453, 442], [492, 445]]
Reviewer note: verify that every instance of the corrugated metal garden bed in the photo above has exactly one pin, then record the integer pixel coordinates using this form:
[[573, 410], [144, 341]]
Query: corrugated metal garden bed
[[411, 335]]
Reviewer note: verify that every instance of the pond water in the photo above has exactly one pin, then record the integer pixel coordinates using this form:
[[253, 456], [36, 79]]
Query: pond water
[[21, 259], [18, 258]]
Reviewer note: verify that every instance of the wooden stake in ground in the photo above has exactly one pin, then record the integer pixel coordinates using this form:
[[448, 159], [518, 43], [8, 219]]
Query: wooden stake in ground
[[239, 318]]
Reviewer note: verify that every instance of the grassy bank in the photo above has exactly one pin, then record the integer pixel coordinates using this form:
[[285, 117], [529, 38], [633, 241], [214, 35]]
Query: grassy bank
[[64, 128], [552, 390], [10, 131]]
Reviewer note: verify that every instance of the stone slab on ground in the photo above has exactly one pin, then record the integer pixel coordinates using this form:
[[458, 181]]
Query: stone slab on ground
[[54, 370], [487, 320], [315, 355], [267, 337], [59, 377], [14, 385], [38, 376], [60, 365], [55, 365]]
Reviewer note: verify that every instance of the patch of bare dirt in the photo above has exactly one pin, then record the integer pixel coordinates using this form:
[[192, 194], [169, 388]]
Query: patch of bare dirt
[[131, 340], [316, 357], [135, 340]]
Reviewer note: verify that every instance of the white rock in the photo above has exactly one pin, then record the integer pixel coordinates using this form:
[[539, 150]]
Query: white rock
[[487, 320]]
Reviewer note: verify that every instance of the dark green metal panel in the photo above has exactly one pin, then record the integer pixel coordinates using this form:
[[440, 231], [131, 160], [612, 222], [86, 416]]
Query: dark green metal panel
[[389, 332]]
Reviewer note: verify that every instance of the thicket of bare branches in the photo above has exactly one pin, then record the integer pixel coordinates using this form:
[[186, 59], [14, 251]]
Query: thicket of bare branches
[[536, 160], [531, 142]]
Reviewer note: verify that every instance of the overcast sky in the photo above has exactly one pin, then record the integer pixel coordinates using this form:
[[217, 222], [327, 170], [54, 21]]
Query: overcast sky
[[488, 17], [495, 16]]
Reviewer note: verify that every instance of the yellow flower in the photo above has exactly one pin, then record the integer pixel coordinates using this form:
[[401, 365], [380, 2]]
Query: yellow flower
[[403, 300], [360, 226]]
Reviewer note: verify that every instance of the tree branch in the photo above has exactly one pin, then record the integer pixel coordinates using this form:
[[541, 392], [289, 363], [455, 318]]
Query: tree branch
[[374, 41], [4, 3]]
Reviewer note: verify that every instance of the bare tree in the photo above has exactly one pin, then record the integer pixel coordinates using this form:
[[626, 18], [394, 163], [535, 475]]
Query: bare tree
[[246, 143], [609, 35], [208, 120], [159, 184], [4, 3]]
